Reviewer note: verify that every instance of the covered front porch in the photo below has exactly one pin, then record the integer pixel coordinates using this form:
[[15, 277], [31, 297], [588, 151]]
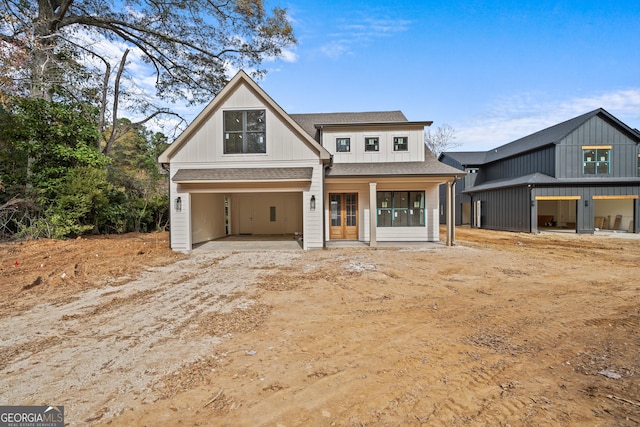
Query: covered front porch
[[380, 210]]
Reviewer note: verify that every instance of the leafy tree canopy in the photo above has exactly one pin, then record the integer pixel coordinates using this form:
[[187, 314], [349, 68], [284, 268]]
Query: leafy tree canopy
[[189, 43]]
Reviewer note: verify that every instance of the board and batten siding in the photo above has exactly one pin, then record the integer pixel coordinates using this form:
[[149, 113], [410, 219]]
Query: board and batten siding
[[415, 152], [538, 161], [206, 142], [506, 209], [595, 132]]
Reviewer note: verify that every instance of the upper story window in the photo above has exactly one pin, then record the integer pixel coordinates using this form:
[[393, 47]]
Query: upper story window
[[639, 165], [245, 132], [596, 160], [343, 145], [372, 144], [472, 170], [400, 143]]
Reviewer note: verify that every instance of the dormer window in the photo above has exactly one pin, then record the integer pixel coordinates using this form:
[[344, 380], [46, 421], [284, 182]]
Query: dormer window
[[244, 132], [400, 143], [372, 144]]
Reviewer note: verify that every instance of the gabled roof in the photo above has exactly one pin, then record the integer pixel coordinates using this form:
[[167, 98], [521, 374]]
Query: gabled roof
[[554, 134], [205, 114]]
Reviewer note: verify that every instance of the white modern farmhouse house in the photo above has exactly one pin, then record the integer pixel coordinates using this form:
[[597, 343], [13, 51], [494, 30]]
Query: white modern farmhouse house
[[245, 166]]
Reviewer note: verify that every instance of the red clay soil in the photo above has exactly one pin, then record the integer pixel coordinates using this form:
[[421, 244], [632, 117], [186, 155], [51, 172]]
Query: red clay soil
[[502, 329]]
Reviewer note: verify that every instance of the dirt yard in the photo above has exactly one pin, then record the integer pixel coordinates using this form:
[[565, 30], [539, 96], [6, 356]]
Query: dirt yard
[[503, 329]]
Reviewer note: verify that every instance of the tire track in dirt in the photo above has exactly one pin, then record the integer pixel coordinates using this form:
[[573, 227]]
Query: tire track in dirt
[[107, 347]]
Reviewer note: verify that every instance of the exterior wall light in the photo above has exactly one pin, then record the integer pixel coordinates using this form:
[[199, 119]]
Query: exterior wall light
[[178, 204], [312, 203]]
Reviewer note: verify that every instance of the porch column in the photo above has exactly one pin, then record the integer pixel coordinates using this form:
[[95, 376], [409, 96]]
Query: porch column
[[451, 214], [373, 197]]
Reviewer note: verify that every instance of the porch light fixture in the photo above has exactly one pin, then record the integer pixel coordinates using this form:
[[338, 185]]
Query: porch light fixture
[[178, 204], [312, 203]]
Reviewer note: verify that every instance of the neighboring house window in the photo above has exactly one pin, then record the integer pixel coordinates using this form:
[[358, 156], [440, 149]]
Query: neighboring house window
[[596, 160], [371, 144], [400, 143], [245, 132], [400, 208], [343, 145], [472, 170], [638, 165]]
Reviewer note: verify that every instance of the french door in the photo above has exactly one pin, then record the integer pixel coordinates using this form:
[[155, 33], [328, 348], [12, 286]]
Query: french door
[[344, 216]]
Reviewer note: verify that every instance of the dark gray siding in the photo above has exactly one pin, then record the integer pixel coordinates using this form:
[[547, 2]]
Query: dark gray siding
[[597, 131], [585, 206], [505, 209], [541, 161], [459, 199]]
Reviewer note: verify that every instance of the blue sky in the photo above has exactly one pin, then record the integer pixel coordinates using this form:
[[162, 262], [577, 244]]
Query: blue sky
[[494, 70]]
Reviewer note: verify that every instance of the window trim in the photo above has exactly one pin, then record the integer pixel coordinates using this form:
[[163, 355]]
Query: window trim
[[376, 146], [392, 209], [348, 145], [596, 163], [244, 132], [396, 146]]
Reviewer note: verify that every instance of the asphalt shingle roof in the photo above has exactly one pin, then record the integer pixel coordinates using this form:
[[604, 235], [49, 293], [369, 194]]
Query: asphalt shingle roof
[[309, 121], [467, 158], [430, 167], [243, 174]]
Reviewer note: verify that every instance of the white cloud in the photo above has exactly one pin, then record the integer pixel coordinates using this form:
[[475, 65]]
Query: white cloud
[[366, 31], [511, 118]]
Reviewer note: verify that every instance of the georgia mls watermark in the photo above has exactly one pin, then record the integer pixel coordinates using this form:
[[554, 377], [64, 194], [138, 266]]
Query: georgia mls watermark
[[31, 416]]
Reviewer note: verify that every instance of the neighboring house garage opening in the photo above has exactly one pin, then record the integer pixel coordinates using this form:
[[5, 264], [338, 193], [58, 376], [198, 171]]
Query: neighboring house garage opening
[[614, 213], [557, 213]]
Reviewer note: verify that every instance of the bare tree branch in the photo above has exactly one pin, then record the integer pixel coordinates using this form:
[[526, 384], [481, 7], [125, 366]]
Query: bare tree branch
[[442, 139]]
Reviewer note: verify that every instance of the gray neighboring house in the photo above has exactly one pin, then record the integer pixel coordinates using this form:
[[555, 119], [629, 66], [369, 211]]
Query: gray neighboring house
[[581, 175]]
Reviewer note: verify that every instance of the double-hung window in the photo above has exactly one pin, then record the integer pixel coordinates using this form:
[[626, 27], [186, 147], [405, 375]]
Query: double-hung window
[[596, 160], [244, 132], [400, 208]]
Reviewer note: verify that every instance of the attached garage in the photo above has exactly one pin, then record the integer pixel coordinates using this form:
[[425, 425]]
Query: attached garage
[[252, 201]]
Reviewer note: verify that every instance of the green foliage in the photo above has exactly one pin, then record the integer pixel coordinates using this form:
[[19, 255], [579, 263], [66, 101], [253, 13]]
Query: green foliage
[[50, 157]]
